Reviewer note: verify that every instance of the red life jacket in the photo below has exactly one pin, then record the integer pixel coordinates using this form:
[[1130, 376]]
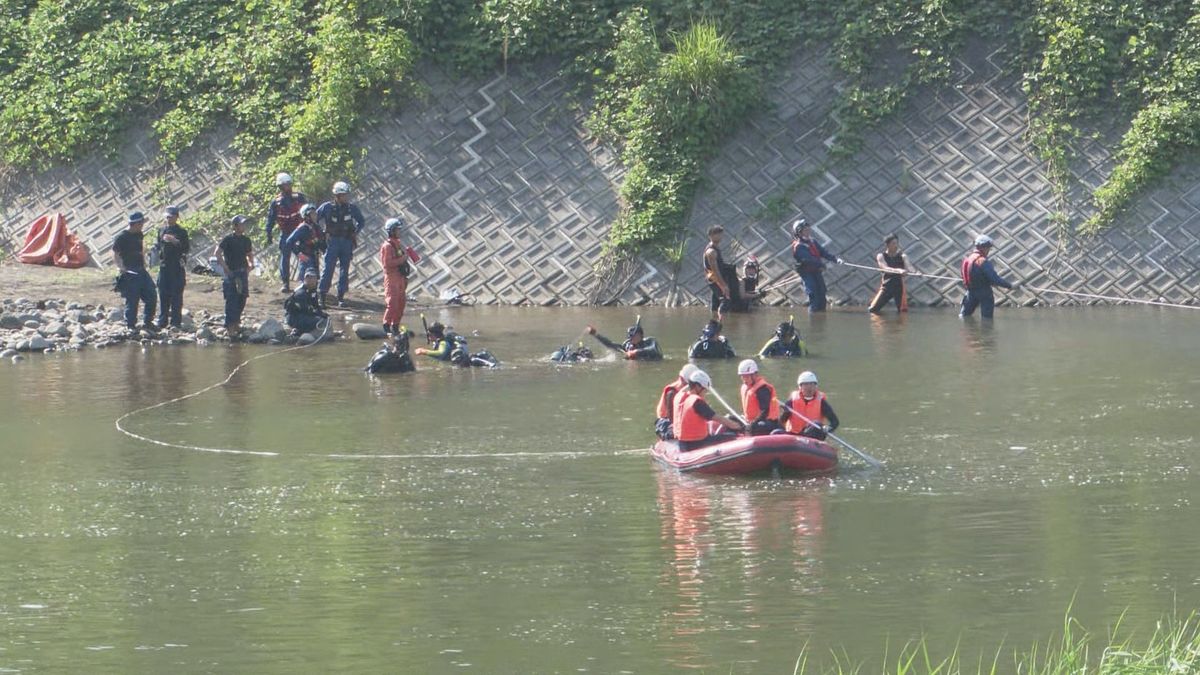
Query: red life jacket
[[750, 401], [810, 409], [287, 212], [688, 425], [669, 392], [969, 264]]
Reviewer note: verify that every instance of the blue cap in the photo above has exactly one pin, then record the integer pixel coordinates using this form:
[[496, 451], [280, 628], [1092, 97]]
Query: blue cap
[[239, 220], [136, 217], [171, 211]]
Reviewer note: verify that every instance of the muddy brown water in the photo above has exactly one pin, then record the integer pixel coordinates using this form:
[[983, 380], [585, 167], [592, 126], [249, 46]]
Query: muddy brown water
[[502, 521]]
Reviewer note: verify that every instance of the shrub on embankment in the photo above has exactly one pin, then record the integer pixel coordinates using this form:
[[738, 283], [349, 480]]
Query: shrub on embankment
[[670, 78]]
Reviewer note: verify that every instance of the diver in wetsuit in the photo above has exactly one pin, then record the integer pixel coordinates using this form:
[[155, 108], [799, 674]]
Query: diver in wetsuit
[[711, 345], [637, 347], [393, 356]]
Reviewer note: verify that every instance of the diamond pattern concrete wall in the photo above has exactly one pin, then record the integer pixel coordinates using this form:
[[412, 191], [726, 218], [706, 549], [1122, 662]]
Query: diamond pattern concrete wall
[[509, 201]]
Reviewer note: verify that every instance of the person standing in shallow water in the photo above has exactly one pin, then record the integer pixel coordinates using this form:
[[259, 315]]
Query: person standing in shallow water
[[894, 265], [174, 247], [810, 257], [978, 276], [235, 254], [714, 270], [394, 258], [134, 283]]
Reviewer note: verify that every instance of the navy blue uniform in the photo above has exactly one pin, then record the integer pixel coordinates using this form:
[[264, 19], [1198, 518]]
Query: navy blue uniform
[[135, 284], [810, 259], [236, 250], [342, 223], [172, 275], [978, 278], [303, 309]]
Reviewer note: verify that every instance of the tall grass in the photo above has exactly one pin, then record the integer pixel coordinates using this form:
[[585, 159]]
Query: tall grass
[[1172, 649]]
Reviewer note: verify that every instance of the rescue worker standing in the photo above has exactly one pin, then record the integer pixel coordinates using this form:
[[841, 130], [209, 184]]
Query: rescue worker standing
[[978, 277], [303, 307], [759, 404], [235, 254], [174, 247], [134, 283], [714, 271], [666, 402], [810, 257], [285, 211], [692, 415], [307, 241], [343, 221], [393, 257], [894, 265], [807, 413]]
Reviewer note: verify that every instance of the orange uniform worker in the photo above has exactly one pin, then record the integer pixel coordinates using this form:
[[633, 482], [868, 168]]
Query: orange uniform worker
[[394, 258], [692, 415], [666, 402], [816, 417], [759, 406]]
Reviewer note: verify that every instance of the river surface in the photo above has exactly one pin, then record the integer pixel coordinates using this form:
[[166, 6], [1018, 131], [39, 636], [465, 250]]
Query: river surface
[[506, 521]]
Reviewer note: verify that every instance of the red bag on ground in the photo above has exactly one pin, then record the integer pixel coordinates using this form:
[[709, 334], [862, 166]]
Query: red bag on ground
[[49, 243]]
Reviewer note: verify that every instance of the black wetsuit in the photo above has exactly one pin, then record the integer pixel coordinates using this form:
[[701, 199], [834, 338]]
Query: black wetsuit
[[891, 286]]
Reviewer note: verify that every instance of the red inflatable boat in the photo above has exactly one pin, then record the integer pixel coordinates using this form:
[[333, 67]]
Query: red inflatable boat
[[750, 454]]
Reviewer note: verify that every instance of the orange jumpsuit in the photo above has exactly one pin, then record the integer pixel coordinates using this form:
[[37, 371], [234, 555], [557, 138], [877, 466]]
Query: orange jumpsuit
[[395, 279]]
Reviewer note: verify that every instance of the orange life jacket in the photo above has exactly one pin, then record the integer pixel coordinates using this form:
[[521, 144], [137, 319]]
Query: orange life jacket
[[810, 409], [669, 392], [750, 401], [688, 425], [969, 264]]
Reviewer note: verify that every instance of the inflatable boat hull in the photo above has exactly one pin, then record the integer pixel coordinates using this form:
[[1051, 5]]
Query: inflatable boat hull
[[751, 454]]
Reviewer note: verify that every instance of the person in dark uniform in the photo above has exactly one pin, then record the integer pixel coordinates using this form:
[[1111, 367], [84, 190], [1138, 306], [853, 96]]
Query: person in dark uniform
[[810, 257], [343, 221], [894, 264], [285, 210], [303, 307], [569, 354], [637, 347], [978, 277], [134, 282], [235, 255], [715, 271], [307, 241], [711, 345], [786, 343], [393, 356], [173, 246]]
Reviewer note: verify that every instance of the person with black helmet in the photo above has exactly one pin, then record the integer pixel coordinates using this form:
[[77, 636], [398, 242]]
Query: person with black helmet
[[785, 343], [810, 257], [978, 276], [174, 247], [302, 308], [134, 282], [235, 255], [393, 356], [451, 347], [307, 241], [394, 257], [285, 210], [637, 347], [343, 222], [711, 345]]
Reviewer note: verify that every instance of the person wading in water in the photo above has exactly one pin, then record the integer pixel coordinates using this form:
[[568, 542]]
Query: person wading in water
[[895, 266]]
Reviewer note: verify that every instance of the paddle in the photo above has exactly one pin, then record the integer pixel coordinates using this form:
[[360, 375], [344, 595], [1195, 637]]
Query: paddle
[[426, 326], [862, 455], [732, 412]]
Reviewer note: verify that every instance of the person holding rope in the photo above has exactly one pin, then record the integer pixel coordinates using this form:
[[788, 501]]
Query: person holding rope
[[894, 266], [759, 406], [285, 209], [807, 412], [978, 277], [810, 257], [692, 415]]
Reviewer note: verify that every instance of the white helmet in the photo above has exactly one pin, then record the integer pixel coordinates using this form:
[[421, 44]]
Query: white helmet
[[983, 240], [283, 179], [701, 378], [685, 373], [807, 377], [748, 367], [341, 188]]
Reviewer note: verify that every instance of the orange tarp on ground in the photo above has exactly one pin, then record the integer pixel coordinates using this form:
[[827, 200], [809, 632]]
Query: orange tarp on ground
[[49, 243]]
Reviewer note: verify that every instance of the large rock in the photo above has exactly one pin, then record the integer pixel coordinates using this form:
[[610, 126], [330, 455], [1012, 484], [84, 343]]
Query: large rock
[[56, 328], [268, 330], [305, 339], [116, 315], [8, 353], [368, 331], [32, 324], [10, 322], [36, 343], [205, 333]]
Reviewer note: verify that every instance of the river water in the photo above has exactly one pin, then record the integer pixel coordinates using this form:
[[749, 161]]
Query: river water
[[504, 521]]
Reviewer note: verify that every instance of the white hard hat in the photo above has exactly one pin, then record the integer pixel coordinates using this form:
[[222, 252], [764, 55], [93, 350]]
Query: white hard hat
[[283, 179], [807, 377], [701, 378], [748, 367], [341, 188], [685, 373], [983, 240]]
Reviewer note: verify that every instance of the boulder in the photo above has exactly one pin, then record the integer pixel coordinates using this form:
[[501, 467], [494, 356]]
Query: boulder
[[368, 331], [8, 353], [10, 322], [32, 324], [267, 331], [56, 328], [205, 333], [306, 339], [116, 315]]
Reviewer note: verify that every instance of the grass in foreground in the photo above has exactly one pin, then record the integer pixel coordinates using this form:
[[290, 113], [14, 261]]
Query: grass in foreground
[[1173, 649]]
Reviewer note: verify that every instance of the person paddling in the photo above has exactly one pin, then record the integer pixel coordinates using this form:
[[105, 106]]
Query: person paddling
[[807, 412], [978, 277], [786, 343], [637, 347], [810, 257], [894, 266], [759, 406], [692, 415], [666, 402], [712, 345]]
